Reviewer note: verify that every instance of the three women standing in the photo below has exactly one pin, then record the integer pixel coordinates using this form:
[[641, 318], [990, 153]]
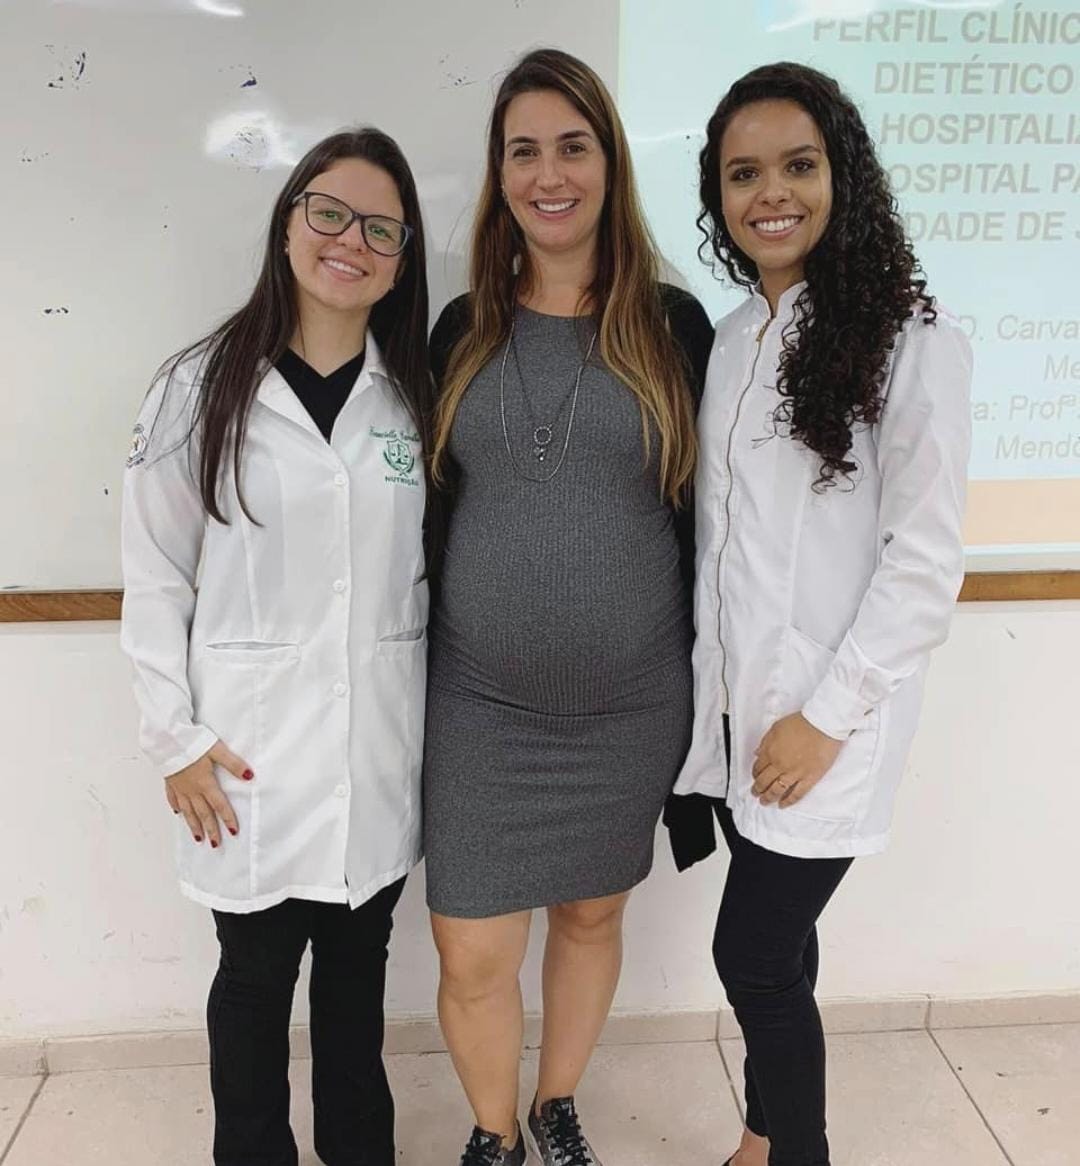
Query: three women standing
[[275, 606], [834, 440], [274, 610], [559, 705]]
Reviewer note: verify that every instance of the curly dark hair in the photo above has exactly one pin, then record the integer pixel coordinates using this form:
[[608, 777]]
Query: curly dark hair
[[862, 278]]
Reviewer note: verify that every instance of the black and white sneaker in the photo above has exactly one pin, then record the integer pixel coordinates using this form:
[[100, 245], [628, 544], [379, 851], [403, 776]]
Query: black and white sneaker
[[485, 1149], [556, 1134]]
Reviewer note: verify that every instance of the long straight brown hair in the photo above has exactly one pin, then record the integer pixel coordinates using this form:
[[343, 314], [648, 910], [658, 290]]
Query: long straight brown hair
[[634, 339], [230, 356]]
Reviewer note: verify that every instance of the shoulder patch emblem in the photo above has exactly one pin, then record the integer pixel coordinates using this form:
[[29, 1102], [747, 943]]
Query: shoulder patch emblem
[[137, 453]]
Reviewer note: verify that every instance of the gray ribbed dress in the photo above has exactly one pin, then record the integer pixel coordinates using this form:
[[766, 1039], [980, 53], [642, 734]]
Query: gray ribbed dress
[[560, 689]]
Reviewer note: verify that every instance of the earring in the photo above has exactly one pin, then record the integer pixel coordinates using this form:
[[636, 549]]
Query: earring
[[505, 199]]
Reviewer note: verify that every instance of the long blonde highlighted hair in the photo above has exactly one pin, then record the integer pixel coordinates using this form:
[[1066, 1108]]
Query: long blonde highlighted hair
[[634, 339]]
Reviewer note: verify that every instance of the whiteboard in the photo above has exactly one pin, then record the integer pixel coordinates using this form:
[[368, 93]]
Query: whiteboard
[[141, 147]]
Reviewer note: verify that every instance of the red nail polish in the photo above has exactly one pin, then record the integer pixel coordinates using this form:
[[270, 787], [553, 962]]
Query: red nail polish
[[198, 837], [213, 844], [248, 775], [233, 831]]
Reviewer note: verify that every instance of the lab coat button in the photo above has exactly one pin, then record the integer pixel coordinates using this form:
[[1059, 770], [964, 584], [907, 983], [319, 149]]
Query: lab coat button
[[341, 790], [339, 585], [340, 480], [340, 689]]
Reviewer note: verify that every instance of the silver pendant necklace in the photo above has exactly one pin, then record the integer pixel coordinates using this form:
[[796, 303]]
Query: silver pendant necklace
[[542, 434]]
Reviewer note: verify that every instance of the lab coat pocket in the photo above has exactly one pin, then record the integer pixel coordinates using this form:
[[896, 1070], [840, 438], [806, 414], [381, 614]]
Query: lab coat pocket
[[243, 691], [253, 652], [231, 684], [844, 792], [405, 639], [400, 682]]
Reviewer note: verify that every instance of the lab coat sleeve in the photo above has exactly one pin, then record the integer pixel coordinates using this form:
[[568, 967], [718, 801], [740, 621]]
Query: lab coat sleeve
[[924, 440], [161, 534]]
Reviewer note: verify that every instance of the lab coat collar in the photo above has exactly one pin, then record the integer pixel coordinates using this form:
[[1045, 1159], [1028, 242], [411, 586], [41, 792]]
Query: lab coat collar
[[274, 391], [374, 366], [785, 308]]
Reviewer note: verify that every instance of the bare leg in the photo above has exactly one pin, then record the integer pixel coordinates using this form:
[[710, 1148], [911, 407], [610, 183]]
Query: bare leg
[[481, 1011], [582, 961], [753, 1151]]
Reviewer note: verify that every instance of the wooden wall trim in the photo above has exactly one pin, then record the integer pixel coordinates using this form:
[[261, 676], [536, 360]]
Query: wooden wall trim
[[58, 606], [1014, 585], [64, 606]]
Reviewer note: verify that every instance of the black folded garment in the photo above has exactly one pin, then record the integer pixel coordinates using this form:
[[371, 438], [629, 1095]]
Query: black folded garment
[[691, 828]]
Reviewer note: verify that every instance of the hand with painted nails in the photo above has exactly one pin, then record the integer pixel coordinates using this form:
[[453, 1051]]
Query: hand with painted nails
[[196, 793]]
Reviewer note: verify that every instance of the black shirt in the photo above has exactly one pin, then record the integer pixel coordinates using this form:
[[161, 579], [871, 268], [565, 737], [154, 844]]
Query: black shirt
[[321, 396]]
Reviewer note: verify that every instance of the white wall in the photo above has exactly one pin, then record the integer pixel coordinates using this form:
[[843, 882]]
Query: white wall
[[976, 897]]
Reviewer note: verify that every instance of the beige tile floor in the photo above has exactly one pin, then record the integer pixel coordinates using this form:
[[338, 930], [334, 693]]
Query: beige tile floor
[[971, 1097]]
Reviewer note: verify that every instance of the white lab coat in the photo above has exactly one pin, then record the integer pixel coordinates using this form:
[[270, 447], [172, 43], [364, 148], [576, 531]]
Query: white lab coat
[[299, 642], [825, 603]]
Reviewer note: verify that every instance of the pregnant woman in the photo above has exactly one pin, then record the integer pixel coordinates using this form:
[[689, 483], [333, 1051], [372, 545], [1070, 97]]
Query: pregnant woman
[[560, 688]]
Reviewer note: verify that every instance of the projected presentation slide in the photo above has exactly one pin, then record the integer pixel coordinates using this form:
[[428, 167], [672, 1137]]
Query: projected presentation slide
[[975, 108]]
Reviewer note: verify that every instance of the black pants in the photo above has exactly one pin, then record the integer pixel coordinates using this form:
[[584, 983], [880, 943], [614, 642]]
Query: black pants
[[248, 1020], [766, 953]]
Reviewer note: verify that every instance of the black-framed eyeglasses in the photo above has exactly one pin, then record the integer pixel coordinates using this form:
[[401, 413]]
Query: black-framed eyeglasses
[[327, 215]]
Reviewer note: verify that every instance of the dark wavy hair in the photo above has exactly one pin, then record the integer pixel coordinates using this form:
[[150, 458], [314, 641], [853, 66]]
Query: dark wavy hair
[[231, 355], [862, 278]]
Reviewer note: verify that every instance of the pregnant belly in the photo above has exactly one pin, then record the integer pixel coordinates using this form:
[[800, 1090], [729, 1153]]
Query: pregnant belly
[[589, 643]]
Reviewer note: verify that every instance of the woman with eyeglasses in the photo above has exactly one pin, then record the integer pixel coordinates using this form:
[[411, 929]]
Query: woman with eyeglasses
[[275, 615], [559, 707]]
